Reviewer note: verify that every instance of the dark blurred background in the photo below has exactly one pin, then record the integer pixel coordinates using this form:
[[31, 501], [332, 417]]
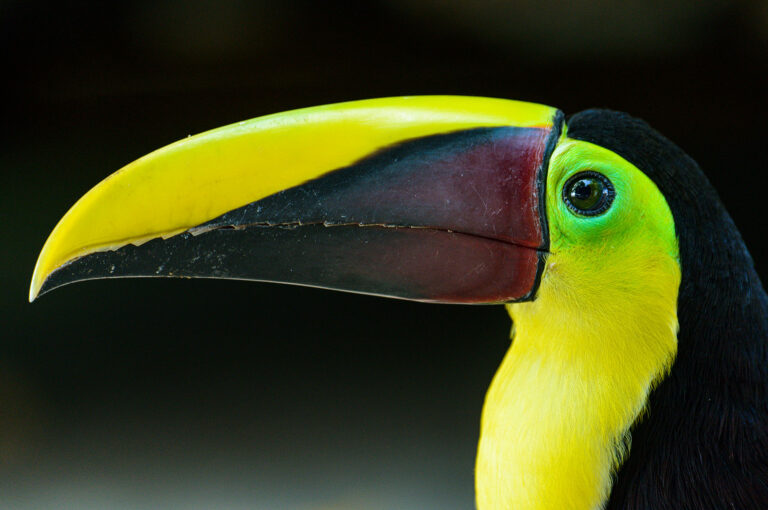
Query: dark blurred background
[[143, 394]]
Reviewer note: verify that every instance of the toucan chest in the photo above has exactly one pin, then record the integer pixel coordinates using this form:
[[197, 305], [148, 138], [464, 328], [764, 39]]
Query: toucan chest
[[557, 415]]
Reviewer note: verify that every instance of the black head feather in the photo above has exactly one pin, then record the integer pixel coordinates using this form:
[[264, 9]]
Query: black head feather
[[704, 443]]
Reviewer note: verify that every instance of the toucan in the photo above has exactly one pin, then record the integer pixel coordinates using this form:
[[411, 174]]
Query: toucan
[[637, 375]]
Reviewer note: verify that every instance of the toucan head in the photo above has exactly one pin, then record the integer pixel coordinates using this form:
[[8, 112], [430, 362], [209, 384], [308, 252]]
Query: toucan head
[[436, 198], [605, 241]]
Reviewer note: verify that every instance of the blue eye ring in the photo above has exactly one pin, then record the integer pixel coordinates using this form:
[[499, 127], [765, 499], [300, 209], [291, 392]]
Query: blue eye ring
[[588, 193]]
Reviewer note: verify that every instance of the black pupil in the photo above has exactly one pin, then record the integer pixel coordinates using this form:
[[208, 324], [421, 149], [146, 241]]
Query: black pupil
[[586, 193]]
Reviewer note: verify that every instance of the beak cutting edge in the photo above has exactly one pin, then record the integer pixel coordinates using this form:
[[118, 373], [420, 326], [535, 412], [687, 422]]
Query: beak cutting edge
[[428, 198]]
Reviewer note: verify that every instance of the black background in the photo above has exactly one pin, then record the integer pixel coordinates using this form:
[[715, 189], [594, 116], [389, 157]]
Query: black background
[[217, 394]]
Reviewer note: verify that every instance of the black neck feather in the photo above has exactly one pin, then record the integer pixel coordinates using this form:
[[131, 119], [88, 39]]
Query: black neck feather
[[704, 443]]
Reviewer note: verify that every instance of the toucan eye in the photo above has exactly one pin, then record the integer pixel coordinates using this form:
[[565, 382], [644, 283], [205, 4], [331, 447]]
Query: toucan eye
[[588, 193]]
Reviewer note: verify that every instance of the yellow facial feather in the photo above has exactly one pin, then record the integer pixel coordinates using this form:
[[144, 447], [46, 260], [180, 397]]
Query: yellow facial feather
[[587, 351]]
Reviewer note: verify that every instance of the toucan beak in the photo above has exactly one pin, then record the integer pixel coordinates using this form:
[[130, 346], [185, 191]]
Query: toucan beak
[[435, 198]]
